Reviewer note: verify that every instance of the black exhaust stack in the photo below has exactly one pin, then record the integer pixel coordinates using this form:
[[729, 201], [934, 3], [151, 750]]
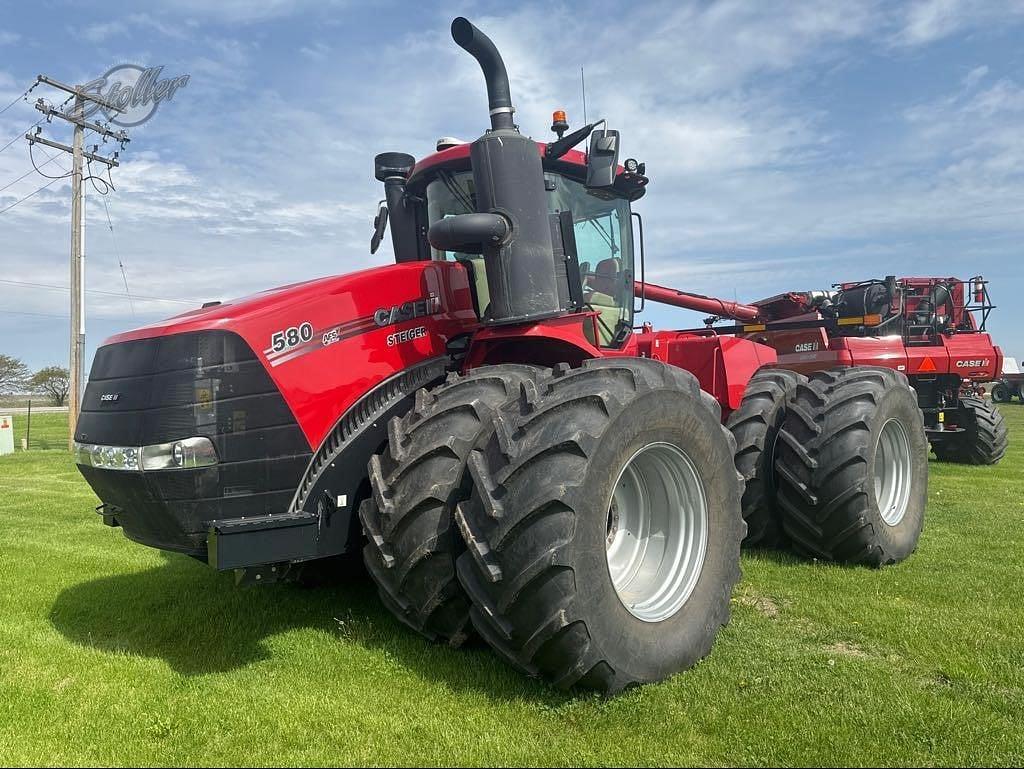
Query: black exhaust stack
[[511, 228]]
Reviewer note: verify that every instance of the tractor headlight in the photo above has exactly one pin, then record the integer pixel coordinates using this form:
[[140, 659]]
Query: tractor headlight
[[186, 454]]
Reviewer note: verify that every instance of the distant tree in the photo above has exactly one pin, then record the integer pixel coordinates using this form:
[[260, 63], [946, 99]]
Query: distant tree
[[54, 382], [13, 375]]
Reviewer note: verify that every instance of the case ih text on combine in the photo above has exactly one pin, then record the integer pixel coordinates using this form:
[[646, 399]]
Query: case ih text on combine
[[515, 459]]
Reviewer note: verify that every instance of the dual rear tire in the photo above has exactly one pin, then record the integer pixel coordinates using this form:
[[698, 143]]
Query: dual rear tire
[[599, 518], [852, 467], [835, 464]]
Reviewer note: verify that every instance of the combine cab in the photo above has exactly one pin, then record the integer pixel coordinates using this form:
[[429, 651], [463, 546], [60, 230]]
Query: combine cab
[[484, 421]]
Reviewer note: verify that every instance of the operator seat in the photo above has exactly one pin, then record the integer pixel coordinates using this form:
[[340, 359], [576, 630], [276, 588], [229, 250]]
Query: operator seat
[[603, 287]]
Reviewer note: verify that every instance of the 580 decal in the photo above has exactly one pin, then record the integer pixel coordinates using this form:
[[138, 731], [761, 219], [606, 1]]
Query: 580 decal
[[290, 337]]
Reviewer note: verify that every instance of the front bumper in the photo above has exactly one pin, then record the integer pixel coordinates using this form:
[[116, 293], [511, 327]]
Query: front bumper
[[209, 384]]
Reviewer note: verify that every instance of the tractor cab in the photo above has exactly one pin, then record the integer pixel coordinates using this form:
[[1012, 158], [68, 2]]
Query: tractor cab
[[594, 259], [602, 231]]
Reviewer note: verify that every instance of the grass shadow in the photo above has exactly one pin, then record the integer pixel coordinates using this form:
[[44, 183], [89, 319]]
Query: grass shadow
[[189, 615], [199, 622]]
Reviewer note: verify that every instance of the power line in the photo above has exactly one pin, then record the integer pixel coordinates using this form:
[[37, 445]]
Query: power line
[[31, 194], [19, 98], [32, 157], [20, 135], [29, 171], [117, 253], [54, 287], [50, 315], [34, 314]]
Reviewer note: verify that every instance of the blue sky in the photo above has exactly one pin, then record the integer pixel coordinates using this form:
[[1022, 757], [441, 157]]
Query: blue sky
[[790, 145]]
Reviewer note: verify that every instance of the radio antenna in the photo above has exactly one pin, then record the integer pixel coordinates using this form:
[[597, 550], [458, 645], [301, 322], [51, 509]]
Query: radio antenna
[[583, 88]]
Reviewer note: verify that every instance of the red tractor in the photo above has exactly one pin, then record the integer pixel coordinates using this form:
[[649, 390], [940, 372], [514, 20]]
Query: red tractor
[[1009, 384], [483, 420], [931, 329]]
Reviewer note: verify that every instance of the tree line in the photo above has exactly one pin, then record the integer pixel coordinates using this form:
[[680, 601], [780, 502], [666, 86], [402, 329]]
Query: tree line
[[16, 378]]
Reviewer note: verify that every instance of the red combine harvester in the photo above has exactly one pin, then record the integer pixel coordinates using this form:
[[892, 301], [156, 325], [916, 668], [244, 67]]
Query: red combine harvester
[[931, 329], [524, 464]]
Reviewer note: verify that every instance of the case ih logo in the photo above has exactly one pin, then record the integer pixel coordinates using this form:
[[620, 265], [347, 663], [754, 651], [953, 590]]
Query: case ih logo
[[418, 308], [972, 363]]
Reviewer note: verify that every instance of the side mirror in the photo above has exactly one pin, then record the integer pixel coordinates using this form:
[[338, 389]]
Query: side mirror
[[380, 224], [603, 158]]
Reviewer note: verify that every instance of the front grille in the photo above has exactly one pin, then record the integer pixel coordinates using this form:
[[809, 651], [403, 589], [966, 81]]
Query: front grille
[[207, 383]]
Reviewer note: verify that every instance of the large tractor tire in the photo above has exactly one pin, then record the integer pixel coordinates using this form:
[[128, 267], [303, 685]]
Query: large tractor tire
[[755, 426], [985, 437], [416, 483], [1001, 392], [603, 533], [852, 467]]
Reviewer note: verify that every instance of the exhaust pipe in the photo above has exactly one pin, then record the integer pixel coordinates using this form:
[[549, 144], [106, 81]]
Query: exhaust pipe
[[480, 47], [511, 226]]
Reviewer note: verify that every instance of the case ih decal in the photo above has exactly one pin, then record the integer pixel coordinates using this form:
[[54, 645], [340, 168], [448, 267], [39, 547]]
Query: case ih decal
[[302, 338], [418, 308]]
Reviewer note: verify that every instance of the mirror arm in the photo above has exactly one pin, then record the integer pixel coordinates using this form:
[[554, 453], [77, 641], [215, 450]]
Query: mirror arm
[[557, 149]]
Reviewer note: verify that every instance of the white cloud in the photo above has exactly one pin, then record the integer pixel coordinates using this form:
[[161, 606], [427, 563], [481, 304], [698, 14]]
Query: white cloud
[[245, 11], [316, 51], [927, 21], [102, 31]]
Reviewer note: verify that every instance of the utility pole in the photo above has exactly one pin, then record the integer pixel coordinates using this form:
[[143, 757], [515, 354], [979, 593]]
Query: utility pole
[[78, 154]]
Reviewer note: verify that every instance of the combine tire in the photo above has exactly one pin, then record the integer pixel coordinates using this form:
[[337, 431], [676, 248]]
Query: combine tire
[[755, 426], [985, 437], [604, 529], [852, 467], [416, 483], [1001, 393]]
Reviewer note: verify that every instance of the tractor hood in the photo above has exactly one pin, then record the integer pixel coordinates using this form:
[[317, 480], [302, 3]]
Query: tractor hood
[[328, 340]]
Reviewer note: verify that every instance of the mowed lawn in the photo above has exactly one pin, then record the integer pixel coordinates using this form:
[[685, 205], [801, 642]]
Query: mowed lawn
[[111, 653]]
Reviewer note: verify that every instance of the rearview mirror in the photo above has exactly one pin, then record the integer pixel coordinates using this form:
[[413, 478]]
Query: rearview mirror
[[380, 224], [603, 158]]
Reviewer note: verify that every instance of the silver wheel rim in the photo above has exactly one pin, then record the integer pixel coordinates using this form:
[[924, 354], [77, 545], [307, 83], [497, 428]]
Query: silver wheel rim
[[657, 532], [892, 472]]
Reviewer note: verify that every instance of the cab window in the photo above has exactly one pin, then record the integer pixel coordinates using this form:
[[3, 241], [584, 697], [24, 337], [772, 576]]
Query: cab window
[[604, 245]]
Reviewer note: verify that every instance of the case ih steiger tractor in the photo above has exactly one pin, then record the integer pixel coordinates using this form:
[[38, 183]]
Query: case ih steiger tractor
[[483, 420], [931, 329]]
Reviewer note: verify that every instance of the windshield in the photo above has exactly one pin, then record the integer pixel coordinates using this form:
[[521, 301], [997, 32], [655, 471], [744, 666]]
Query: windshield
[[604, 242]]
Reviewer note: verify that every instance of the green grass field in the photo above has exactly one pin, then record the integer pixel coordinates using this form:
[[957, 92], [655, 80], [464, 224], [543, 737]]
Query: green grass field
[[111, 653], [46, 430]]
